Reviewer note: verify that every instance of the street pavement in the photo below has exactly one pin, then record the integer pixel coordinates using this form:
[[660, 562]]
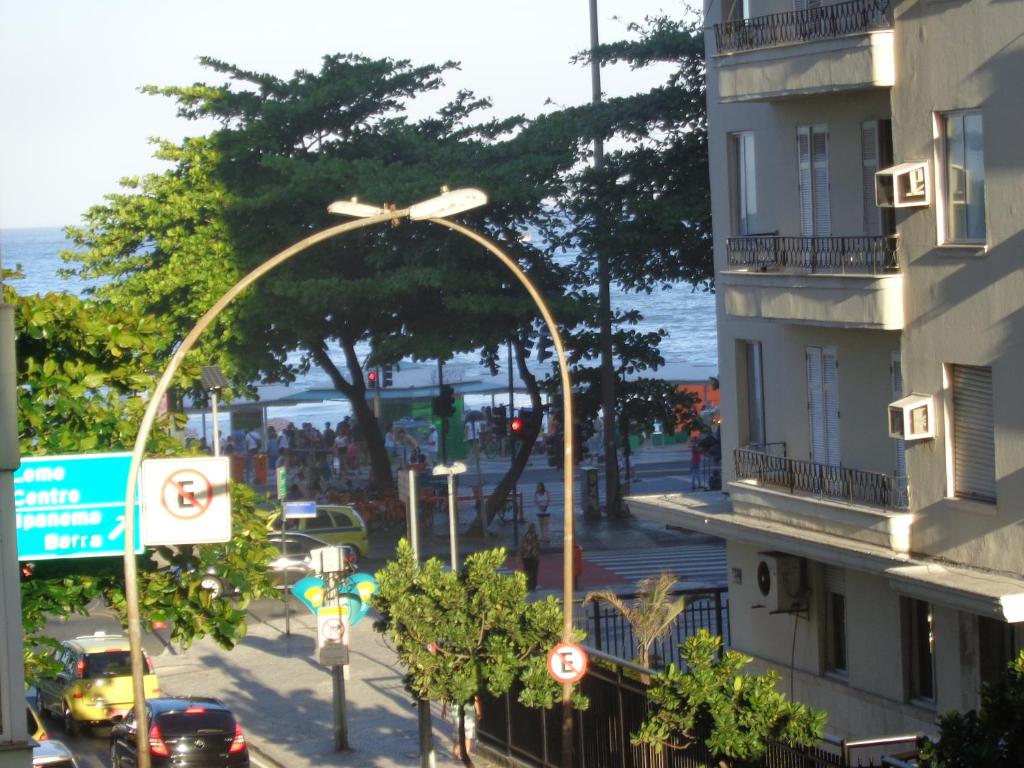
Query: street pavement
[[283, 697]]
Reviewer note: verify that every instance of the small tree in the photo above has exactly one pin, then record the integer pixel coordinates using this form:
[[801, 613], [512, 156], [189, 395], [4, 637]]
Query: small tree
[[650, 615], [993, 737], [461, 634], [735, 714]]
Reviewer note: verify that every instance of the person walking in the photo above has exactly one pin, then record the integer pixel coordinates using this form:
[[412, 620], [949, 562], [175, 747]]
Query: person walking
[[471, 713], [542, 500], [696, 457], [529, 553], [273, 448]]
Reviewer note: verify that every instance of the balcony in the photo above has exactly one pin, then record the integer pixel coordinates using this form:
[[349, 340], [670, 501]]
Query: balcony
[[852, 503], [849, 282], [839, 47]]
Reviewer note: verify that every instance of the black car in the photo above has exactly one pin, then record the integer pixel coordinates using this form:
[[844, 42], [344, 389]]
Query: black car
[[186, 732]]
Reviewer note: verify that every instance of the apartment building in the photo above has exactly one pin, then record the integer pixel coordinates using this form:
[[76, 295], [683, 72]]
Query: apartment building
[[881, 576]]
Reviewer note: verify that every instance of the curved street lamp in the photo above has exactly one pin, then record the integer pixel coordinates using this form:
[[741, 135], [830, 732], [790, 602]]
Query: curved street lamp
[[433, 210]]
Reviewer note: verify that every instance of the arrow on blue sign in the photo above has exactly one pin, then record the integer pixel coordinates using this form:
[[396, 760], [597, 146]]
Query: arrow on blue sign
[[72, 506]]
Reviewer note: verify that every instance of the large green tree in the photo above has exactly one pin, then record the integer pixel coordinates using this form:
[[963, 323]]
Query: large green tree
[[84, 371], [646, 208], [285, 149]]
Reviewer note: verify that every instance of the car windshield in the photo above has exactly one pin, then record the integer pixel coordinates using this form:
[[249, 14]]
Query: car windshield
[[197, 721], [107, 664]]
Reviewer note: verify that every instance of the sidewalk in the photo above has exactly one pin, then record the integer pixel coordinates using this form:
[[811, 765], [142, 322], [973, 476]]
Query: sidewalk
[[283, 697]]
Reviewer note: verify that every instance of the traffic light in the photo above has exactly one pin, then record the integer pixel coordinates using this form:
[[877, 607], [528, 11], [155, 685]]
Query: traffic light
[[387, 371], [517, 427], [444, 404], [498, 421], [371, 378], [544, 350]]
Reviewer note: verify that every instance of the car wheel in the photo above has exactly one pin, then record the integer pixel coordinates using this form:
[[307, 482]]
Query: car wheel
[[212, 585], [71, 726]]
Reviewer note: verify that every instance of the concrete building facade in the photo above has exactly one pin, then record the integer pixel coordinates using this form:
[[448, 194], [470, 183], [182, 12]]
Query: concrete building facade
[[883, 578]]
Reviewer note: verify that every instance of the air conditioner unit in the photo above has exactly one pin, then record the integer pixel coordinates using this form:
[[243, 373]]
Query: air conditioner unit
[[903, 186], [911, 418], [782, 583]]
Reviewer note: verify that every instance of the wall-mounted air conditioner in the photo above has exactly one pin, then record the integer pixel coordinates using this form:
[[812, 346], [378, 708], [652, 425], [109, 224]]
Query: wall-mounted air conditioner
[[782, 582], [903, 186], [912, 418]]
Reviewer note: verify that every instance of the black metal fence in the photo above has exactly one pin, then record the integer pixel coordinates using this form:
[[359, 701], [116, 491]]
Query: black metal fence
[[602, 732], [608, 632], [821, 23], [856, 486], [856, 254]]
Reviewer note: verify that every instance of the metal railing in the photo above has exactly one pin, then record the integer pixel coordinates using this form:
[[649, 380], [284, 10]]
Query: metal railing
[[821, 23], [608, 631], [856, 486], [854, 254]]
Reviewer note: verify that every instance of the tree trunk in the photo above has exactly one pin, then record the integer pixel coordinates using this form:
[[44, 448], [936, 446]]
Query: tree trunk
[[531, 429], [355, 391]]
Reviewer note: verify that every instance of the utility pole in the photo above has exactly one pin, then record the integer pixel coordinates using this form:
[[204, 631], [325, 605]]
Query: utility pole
[[444, 419], [611, 466], [511, 449]]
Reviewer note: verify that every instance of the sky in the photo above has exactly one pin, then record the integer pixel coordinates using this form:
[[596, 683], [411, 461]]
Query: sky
[[73, 122]]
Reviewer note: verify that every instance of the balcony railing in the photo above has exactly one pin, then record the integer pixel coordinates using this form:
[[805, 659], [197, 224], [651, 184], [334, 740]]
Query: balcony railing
[[873, 489], [858, 254], [822, 23]]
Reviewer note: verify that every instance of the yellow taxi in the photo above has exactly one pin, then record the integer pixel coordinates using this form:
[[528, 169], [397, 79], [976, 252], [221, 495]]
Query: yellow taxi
[[335, 524], [35, 725], [94, 685]]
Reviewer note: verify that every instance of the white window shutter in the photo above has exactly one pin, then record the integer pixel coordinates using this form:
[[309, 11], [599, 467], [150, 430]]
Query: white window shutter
[[869, 155], [803, 149], [815, 404], [830, 403], [819, 163], [974, 456], [897, 393]]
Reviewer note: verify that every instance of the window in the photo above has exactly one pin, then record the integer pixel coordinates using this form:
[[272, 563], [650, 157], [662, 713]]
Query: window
[[920, 648], [875, 154], [835, 620], [823, 404], [974, 459], [996, 649], [963, 177], [755, 393], [744, 184], [812, 159], [735, 10]]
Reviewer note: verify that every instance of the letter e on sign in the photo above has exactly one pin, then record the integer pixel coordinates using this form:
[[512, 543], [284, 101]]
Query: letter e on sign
[[185, 501], [567, 663]]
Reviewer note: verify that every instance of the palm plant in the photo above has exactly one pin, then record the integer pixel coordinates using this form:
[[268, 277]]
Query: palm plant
[[650, 615]]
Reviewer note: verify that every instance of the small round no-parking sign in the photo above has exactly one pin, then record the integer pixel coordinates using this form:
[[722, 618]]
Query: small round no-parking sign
[[567, 663]]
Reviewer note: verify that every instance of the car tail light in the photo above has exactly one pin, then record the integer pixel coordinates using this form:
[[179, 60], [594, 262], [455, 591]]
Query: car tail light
[[43, 736], [149, 664], [237, 743], [76, 695], [194, 710], [156, 742], [80, 668]]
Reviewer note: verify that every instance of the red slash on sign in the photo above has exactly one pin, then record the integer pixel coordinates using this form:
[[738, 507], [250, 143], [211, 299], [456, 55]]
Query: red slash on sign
[[186, 494]]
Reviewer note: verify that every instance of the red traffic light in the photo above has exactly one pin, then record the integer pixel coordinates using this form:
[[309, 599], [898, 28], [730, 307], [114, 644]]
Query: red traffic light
[[372, 375], [517, 425]]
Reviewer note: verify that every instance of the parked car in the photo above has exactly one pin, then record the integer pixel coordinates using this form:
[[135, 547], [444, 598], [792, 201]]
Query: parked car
[[295, 561], [335, 524], [35, 724], [94, 685], [184, 732], [52, 754]]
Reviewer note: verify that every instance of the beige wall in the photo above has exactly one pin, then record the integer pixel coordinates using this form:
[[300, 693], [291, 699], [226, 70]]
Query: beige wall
[[966, 305]]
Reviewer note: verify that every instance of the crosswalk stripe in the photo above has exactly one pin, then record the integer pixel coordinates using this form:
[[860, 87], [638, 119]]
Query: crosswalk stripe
[[703, 563]]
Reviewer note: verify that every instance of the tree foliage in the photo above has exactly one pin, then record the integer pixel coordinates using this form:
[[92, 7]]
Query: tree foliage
[[735, 714], [992, 737], [84, 371], [462, 634]]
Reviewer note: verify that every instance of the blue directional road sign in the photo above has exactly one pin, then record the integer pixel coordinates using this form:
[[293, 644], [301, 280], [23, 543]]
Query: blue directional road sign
[[72, 506], [298, 509]]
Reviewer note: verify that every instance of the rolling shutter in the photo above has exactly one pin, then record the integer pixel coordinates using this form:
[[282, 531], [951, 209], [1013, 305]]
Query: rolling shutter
[[974, 455], [830, 400], [823, 405], [815, 409], [819, 164], [835, 580]]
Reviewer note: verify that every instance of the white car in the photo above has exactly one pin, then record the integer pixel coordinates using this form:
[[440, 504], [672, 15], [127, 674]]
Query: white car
[[52, 754]]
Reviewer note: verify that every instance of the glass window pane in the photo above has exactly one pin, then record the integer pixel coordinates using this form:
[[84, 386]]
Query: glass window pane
[[956, 179], [974, 161]]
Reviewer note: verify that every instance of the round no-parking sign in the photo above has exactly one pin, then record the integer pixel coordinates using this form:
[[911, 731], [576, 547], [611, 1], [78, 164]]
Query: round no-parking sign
[[185, 501], [567, 663]]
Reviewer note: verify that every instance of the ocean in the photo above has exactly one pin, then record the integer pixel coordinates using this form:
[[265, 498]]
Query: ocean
[[687, 315]]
